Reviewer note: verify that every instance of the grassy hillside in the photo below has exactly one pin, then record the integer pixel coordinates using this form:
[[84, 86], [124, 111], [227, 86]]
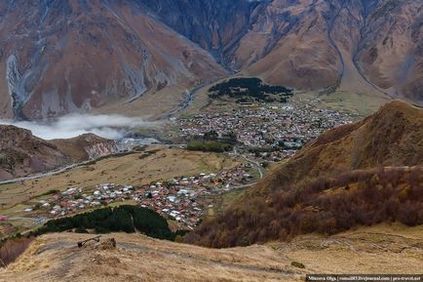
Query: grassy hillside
[[56, 257], [359, 174], [22, 153]]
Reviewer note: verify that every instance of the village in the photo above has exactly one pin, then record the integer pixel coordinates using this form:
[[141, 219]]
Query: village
[[264, 133], [269, 132], [183, 199]]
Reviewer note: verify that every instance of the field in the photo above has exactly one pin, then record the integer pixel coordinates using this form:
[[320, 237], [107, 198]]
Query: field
[[380, 249], [157, 163], [359, 103]]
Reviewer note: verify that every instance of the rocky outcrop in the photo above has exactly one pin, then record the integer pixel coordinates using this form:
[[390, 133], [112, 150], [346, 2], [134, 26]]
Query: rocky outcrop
[[86, 146]]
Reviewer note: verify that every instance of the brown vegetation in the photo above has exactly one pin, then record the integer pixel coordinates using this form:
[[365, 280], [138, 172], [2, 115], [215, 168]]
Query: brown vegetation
[[11, 249], [325, 206], [360, 174], [377, 249]]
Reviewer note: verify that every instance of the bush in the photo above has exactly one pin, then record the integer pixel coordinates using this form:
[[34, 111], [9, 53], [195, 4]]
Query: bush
[[321, 205], [297, 264], [50, 192], [209, 146]]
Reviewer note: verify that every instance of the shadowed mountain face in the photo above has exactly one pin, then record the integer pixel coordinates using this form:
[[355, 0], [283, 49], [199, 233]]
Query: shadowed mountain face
[[361, 46], [62, 56]]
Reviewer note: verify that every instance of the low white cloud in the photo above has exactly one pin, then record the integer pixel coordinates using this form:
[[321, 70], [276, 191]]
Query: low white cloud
[[107, 126]]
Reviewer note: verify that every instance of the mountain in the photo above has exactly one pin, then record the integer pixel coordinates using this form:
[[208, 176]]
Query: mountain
[[358, 174], [140, 258], [63, 56], [22, 154], [359, 46], [76, 55]]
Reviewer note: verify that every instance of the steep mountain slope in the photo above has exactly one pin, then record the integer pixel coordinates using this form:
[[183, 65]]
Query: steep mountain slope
[[64, 56], [361, 46], [358, 174], [21, 153], [390, 53], [215, 25], [73, 55]]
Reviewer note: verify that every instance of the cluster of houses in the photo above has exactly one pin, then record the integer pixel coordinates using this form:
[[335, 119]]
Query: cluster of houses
[[186, 198], [75, 199], [283, 128], [183, 199]]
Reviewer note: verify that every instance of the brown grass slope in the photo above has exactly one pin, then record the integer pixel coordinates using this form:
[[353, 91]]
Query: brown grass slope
[[21, 153], [379, 249], [359, 174]]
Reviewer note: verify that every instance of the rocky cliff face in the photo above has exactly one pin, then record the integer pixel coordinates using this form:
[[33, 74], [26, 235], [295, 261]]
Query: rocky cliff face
[[370, 46], [215, 25], [63, 56]]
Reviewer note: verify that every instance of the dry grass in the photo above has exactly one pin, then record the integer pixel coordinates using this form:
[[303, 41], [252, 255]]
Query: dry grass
[[380, 249], [133, 169], [362, 104], [377, 249], [287, 202]]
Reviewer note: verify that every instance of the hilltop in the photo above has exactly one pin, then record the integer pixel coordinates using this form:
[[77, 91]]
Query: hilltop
[[358, 174], [139, 258], [22, 153]]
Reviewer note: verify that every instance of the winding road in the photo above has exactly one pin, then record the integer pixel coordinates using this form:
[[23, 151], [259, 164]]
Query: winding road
[[58, 170]]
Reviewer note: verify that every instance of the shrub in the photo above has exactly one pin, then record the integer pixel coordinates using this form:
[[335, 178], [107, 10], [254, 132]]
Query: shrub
[[297, 264], [208, 146], [50, 192], [318, 205]]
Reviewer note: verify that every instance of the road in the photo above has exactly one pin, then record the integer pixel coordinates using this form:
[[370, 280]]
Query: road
[[189, 96], [256, 164], [41, 175], [186, 102], [56, 171]]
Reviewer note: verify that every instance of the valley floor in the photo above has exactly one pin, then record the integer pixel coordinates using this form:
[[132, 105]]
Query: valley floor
[[379, 249]]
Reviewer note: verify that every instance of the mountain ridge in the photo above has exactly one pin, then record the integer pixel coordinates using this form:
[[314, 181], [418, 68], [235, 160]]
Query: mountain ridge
[[67, 56], [22, 154]]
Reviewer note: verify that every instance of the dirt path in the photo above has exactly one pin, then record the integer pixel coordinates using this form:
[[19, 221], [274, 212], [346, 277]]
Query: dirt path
[[372, 250]]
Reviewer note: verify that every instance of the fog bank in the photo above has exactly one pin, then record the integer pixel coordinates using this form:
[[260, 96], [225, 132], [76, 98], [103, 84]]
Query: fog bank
[[69, 126]]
